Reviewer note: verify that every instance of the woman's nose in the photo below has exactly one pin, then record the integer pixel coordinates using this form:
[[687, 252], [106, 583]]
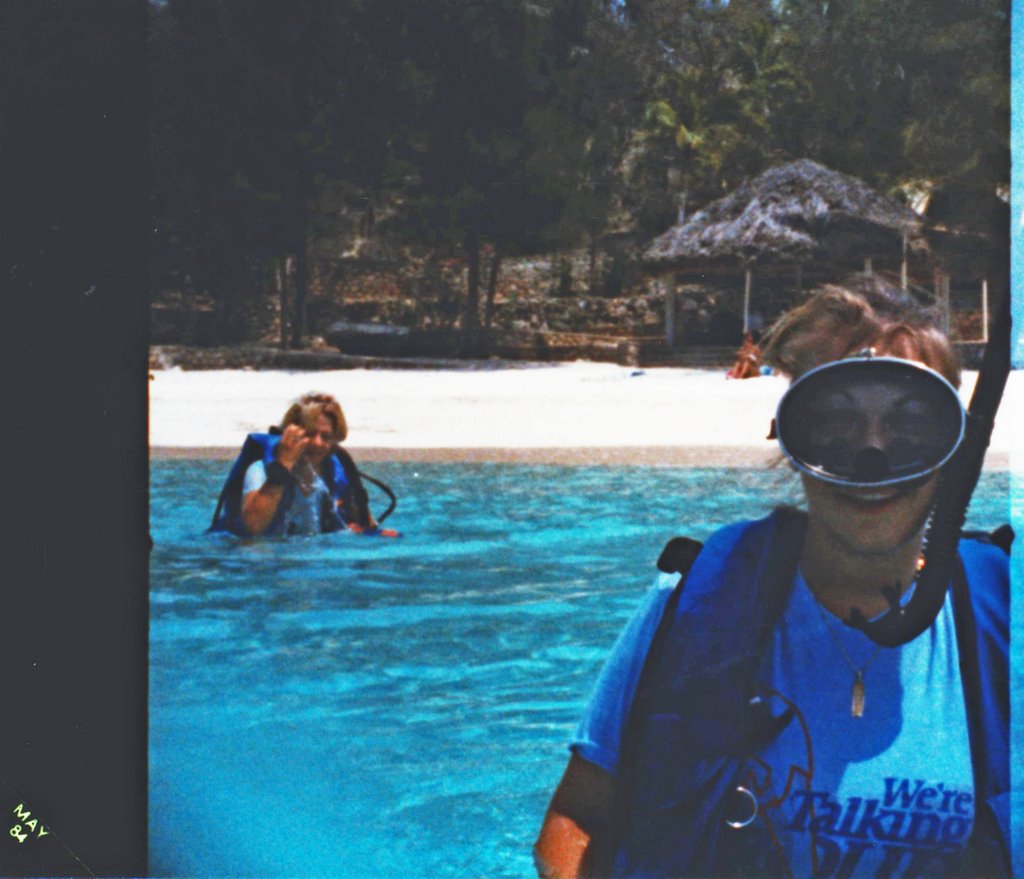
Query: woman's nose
[[874, 435]]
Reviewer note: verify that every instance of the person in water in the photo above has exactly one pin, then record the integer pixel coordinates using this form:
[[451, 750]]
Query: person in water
[[739, 727], [296, 479]]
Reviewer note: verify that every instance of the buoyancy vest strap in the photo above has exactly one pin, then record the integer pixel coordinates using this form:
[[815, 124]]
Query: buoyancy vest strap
[[677, 557], [218, 508], [989, 856], [775, 584], [359, 495], [255, 448]]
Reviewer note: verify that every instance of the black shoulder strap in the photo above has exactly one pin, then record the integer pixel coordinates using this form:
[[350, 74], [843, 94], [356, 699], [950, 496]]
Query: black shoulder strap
[[989, 856], [678, 556], [967, 645], [359, 496], [246, 456], [1002, 537]]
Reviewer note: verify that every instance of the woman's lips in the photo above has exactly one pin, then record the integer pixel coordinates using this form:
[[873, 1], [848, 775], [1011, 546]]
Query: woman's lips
[[874, 500]]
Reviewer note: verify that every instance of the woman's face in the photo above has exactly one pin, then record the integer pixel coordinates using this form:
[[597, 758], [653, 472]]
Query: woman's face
[[321, 440]]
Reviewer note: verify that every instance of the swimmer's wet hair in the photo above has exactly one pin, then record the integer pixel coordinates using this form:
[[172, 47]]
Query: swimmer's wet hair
[[838, 321], [305, 411]]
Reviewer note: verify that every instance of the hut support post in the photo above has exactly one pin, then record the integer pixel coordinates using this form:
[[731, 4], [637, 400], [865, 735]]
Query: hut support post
[[868, 271], [984, 310], [748, 277], [670, 312], [903, 266], [942, 297]]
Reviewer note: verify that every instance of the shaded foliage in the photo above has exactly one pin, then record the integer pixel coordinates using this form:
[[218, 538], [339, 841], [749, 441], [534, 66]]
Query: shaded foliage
[[509, 126]]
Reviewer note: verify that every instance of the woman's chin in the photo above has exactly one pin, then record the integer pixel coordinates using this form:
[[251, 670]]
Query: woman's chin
[[871, 522]]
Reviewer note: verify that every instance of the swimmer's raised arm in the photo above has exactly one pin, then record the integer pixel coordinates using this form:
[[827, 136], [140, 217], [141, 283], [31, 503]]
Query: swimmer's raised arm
[[259, 507]]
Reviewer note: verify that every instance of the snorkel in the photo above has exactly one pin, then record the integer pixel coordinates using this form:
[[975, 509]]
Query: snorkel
[[903, 623], [952, 444]]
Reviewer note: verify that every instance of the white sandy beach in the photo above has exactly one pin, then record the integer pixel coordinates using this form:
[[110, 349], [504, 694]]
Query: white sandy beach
[[558, 413]]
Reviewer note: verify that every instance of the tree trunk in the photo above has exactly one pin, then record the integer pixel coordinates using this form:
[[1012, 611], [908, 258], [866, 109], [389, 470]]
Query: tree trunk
[[564, 275], [227, 279], [298, 236], [748, 280], [492, 289], [592, 279], [471, 313], [281, 276], [368, 223]]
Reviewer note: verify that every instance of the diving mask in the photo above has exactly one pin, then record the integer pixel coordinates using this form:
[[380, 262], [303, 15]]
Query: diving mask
[[870, 421]]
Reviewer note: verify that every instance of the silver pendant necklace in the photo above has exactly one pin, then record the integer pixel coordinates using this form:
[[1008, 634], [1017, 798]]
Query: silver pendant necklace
[[858, 695]]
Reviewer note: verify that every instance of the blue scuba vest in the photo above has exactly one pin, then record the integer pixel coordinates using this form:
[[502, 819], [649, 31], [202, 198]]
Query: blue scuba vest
[[694, 721], [262, 447]]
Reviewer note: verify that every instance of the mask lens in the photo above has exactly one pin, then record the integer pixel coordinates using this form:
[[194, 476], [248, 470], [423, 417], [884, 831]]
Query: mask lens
[[870, 422]]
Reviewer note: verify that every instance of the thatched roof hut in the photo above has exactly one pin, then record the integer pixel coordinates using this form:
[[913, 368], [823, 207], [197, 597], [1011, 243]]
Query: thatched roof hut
[[796, 212], [794, 217]]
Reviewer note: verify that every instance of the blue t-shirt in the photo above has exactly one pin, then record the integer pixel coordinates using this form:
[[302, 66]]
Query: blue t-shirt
[[890, 793]]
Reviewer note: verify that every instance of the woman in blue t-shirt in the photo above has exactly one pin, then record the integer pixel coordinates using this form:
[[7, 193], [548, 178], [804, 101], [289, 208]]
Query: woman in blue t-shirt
[[747, 724]]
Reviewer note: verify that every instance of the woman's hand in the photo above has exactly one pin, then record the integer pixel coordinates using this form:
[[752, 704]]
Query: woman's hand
[[292, 446]]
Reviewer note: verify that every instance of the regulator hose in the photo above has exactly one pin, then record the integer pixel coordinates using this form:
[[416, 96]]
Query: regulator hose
[[387, 490], [957, 481]]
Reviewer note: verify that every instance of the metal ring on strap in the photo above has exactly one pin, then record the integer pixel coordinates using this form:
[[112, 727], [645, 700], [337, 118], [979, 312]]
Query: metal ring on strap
[[739, 825]]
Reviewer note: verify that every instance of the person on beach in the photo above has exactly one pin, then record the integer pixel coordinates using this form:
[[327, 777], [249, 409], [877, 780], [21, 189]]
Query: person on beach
[[739, 727], [296, 479], [748, 359]]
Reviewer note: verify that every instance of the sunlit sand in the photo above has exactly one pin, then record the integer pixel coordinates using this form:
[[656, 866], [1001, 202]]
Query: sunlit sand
[[575, 413]]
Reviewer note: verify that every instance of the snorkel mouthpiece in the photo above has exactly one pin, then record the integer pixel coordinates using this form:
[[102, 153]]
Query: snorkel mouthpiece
[[870, 465]]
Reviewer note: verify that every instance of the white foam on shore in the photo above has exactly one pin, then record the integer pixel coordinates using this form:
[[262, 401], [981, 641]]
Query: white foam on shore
[[558, 406]]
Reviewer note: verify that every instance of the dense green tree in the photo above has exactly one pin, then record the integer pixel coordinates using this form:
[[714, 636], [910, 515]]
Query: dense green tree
[[514, 125], [958, 131], [259, 107], [505, 141], [912, 90], [725, 99]]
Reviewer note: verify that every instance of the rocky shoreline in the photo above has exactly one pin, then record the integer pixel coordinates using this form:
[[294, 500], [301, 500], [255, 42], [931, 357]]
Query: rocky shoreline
[[261, 357], [556, 348]]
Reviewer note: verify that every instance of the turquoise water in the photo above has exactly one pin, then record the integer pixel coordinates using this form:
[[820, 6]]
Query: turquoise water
[[351, 707]]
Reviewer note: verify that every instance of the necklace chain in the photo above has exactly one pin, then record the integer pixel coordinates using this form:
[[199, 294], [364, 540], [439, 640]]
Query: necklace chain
[[857, 697]]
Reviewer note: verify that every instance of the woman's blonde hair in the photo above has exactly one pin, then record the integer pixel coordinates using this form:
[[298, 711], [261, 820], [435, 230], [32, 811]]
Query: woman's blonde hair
[[309, 407], [838, 321]]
